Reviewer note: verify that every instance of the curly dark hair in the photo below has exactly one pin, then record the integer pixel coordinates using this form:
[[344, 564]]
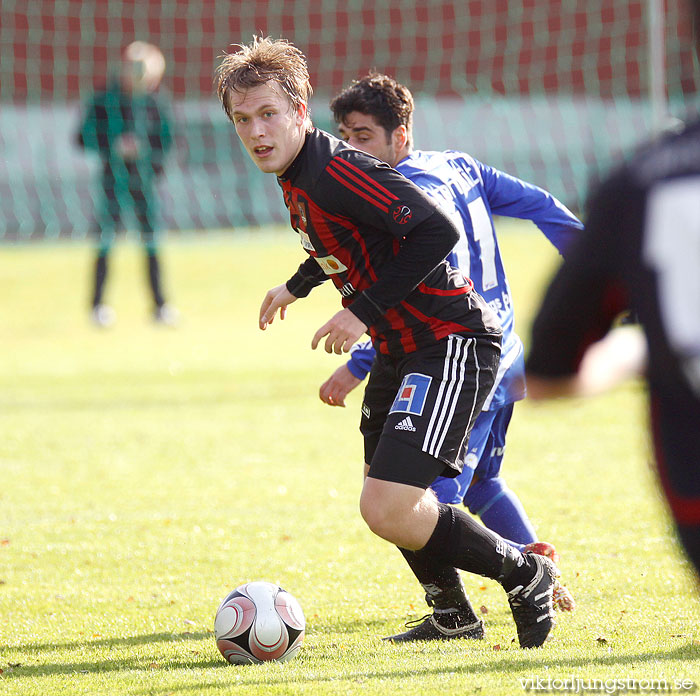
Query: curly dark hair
[[380, 96]]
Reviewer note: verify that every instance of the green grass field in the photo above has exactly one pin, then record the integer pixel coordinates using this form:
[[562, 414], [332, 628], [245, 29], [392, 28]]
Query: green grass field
[[146, 472]]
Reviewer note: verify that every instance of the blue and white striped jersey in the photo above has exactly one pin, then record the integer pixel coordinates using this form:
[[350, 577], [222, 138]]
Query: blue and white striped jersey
[[471, 193]]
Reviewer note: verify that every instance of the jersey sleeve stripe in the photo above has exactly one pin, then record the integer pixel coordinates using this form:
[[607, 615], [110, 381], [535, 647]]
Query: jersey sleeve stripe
[[366, 176], [365, 186], [427, 290], [383, 207], [363, 179]]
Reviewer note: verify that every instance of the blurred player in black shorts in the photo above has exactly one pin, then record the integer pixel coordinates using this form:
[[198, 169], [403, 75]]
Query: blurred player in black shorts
[[383, 242], [641, 249]]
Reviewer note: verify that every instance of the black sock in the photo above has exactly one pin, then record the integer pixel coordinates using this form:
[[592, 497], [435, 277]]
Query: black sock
[[444, 589], [154, 279], [461, 542], [100, 277]]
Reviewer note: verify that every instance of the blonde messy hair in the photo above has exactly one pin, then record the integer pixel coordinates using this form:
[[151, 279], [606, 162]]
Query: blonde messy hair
[[264, 60]]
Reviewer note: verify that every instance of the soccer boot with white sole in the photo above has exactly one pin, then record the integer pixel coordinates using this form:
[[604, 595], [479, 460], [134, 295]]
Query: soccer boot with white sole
[[103, 315], [441, 627], [531, 604], [166, 315], [562, 597]]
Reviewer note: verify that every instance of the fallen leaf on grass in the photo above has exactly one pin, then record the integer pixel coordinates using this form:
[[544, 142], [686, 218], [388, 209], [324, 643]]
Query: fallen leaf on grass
[[483, 609]]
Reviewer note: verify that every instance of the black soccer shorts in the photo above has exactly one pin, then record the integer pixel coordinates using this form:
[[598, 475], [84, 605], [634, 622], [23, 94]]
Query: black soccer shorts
[[418, 410]]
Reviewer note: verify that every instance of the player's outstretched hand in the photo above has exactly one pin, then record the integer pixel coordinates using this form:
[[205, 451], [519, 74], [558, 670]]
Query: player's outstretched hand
[[277, 298], [619, 355], [334, 390], [342, 331]]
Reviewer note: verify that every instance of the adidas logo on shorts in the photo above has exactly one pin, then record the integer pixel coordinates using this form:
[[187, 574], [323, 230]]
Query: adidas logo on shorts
[[406, 424]]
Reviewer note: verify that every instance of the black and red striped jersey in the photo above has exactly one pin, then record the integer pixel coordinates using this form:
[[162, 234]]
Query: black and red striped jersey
[[640, 251], [382, 242]]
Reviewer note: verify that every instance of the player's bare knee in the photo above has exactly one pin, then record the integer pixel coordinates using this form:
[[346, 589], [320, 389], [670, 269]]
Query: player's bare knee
[[379, 511], [383, 525], [396, 512], [375, 513]]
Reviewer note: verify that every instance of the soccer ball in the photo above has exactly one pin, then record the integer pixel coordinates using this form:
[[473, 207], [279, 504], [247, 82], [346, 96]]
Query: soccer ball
[[259, 622]]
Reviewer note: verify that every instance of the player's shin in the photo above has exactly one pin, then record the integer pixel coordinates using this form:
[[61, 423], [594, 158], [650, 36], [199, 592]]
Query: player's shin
[[453, 615], [460, 541], [443, 586], [528, 578]]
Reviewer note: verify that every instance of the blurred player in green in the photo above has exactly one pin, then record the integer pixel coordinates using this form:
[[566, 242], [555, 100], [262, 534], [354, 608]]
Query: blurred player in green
[[128, 124]]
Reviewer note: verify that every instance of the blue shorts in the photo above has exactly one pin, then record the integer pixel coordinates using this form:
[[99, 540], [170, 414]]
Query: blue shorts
[[484, 455]]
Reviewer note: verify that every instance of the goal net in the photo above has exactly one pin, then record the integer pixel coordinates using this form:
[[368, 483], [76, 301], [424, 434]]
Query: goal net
[[548, 90]]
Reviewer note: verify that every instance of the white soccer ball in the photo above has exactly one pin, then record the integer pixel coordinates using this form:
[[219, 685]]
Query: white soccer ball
[[259, 622]]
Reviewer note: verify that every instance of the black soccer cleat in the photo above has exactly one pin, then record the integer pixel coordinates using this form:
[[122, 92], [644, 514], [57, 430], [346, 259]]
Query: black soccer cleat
[[531, 604], [429, 628]]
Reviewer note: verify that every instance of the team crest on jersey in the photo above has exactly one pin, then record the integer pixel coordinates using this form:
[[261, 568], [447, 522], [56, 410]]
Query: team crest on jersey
[[331, 265], [401, 213], [412, 394]]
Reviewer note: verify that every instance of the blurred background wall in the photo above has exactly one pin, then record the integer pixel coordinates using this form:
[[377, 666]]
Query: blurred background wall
[[548, 90]]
